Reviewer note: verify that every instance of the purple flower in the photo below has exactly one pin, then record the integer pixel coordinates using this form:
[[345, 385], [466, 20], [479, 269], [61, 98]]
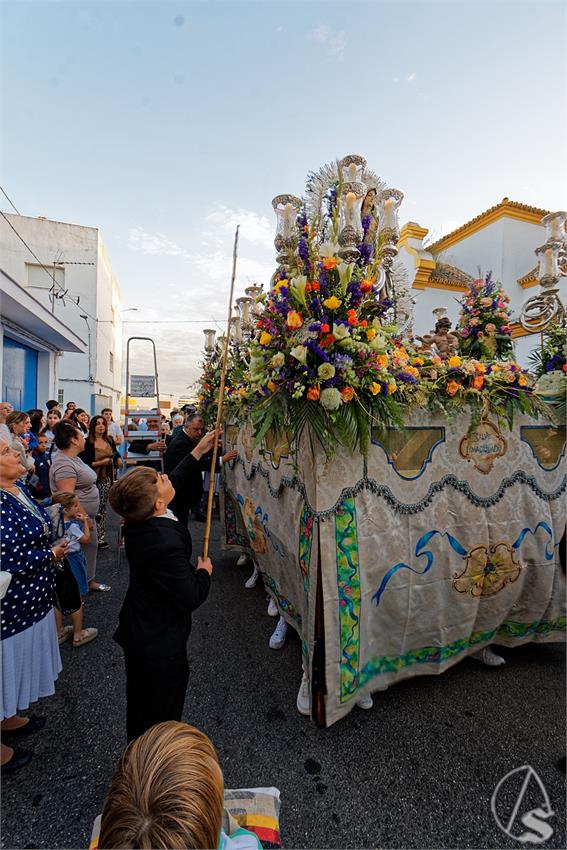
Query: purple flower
[[406, 378], [385, 388], [366, 219], [365, 249]]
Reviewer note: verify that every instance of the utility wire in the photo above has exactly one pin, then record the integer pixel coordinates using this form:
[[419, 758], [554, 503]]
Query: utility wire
[[9, 201]]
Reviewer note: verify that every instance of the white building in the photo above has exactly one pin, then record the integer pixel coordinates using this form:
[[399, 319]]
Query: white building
[[502, 240], [32, 341], [71, 277]]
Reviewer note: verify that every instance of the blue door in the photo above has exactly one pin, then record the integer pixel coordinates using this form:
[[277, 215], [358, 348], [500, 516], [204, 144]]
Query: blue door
[[19, 375]]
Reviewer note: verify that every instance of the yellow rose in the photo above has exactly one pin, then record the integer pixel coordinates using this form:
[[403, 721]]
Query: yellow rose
[[332, 303], [392, 387], [523, 381], [370, 333], [455, 360], [280, 283], [265, 338], [375, 388], [272, 386]]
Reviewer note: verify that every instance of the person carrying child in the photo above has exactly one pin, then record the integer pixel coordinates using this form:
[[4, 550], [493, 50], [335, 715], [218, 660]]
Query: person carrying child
[[72, 524], [164, 589]]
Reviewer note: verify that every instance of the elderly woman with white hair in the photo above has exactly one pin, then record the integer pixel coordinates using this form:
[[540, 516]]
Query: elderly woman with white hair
[[29, 649]]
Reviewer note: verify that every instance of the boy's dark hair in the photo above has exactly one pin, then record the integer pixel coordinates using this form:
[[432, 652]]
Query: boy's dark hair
[[51, 404], [134, 495]]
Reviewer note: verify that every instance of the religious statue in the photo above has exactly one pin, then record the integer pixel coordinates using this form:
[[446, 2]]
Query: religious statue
[[441, 341], [369, 217]]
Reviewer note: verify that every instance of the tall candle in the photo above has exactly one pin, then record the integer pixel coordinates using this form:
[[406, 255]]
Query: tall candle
[[289, 217], [389, 214], [549, 262], [352, 169]]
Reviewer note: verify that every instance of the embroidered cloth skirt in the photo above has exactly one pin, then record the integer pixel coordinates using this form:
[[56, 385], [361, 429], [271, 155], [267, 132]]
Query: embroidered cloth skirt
[[30, 663]]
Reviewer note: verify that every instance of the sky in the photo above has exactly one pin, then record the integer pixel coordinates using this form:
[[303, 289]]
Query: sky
[[166, 124]]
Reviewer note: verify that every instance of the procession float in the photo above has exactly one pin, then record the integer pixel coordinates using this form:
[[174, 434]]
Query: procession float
[[403, 497]]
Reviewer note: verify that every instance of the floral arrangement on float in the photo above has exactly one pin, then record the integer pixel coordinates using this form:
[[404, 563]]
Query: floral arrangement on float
[[549, 364], [485, 324], [332, 348]]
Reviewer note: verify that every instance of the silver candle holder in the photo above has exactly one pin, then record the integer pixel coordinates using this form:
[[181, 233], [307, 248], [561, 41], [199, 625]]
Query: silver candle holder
[[546, 308], [286, 208]]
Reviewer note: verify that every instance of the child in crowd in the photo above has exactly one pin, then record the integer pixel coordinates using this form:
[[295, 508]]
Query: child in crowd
[[168, 792], [39, 482], [72, 524], [155, 620]]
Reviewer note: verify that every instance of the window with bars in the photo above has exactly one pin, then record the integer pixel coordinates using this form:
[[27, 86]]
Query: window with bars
[[60, 396]]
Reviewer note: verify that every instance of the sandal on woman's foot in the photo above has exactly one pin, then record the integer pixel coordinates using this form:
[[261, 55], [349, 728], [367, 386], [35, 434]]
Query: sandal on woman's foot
[[100, 587], [65, 633], [85, 637]]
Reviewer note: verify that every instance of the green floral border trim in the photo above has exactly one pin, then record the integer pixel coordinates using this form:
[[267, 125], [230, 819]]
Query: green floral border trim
[[286, 606], [306, 525], [348, 585], [439, 654]]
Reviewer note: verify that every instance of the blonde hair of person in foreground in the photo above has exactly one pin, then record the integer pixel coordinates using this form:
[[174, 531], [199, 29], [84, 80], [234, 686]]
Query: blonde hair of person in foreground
[[167, 792]]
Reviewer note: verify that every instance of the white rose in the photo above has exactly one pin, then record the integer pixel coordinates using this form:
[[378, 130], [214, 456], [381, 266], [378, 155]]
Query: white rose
[[326, 371]]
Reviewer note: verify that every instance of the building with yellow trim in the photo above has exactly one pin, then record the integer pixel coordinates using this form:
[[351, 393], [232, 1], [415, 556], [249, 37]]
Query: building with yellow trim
[[501, 239]]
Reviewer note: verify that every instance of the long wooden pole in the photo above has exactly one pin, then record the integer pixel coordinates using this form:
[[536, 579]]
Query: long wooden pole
[[220, 400]]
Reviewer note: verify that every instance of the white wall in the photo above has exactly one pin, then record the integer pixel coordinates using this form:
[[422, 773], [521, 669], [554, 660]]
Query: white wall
[[86, 273]]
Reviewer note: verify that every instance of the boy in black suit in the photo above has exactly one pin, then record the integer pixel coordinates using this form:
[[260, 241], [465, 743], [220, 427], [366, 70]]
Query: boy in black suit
[[165, 587]]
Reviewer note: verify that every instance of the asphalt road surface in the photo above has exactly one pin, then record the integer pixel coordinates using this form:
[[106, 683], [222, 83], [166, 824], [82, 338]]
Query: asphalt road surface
[[416, 771]]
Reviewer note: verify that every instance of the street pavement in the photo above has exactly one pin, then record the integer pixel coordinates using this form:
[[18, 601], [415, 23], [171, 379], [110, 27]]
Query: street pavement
[[416, 771]]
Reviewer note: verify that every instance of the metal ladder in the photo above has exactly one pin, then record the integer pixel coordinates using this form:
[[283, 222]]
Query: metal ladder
[[132, 436]]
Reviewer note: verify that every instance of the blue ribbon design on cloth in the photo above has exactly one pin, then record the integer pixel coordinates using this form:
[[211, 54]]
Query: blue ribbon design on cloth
[[525, 531], [457, 547]]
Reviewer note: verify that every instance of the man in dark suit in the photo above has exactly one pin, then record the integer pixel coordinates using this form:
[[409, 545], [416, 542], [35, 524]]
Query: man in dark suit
[[178, 449]]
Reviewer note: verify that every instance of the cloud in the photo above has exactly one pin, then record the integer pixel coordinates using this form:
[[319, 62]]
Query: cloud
[[321, 32], [335, 41], [153, 243], [412, 77], [198, 288]]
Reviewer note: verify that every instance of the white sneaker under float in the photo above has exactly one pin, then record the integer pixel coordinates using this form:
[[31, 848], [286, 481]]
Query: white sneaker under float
[[278, 637], [253, 580], [273, 609], [488, 657], [304, 697], [243, 559]]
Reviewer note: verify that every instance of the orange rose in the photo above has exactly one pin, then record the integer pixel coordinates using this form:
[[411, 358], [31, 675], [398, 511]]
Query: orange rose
[[382, 360], [347, 393], [313, 393], [478, 382], [453, 387], [329, 263], [366, 285], [294, 319], [325, 329], [315, 286]]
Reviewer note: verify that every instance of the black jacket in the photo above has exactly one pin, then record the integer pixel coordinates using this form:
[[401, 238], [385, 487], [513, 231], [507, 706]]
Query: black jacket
[[179, 447], [165, 587]]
